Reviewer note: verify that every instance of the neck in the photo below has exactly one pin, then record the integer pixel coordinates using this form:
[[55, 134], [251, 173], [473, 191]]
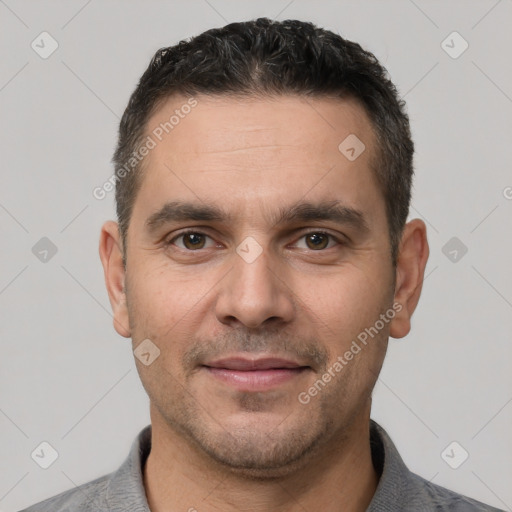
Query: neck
[[178, 476]]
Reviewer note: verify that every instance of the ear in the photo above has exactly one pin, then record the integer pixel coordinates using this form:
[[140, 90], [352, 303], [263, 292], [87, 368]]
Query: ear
[[412, 260], [111, 254]]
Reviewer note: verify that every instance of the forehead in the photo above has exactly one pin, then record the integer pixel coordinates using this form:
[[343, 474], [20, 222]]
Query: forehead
[[226, 123], [254, 152]]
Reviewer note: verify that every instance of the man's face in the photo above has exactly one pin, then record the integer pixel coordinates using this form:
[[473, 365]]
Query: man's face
[[258, 284]]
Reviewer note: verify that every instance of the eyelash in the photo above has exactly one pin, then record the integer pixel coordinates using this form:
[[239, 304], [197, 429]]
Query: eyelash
[[195, 232]]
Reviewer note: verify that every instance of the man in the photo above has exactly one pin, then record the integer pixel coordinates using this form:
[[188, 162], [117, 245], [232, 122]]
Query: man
[[261, 261]]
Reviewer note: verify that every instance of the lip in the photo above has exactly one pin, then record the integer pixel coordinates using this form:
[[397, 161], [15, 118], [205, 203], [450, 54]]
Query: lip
[[244, 364], [255, 374]]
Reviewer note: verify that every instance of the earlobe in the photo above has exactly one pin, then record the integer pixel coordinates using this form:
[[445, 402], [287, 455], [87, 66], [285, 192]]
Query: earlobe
[[410, 271], [111, 255]]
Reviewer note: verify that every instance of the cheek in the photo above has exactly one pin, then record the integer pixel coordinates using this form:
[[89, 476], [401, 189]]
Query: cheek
[[342, 304], [169, 304]]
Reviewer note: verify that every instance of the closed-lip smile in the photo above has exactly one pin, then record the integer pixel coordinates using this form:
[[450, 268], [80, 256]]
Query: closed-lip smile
[[243, 364], [260, 374]]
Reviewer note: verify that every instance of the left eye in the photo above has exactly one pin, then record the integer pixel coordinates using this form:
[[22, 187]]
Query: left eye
[[317, 240], [194, 240]]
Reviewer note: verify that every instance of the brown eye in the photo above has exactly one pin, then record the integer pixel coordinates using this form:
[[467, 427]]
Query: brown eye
[[193, 241], [190, 241], [317, 241]]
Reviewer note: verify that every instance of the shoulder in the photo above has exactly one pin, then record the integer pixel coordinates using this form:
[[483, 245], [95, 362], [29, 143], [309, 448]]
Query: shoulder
[[118, 491], [401, 490], [426, 496], [88, 497]]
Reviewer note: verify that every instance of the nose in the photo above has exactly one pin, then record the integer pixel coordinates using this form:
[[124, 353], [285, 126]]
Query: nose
[[254, 294]]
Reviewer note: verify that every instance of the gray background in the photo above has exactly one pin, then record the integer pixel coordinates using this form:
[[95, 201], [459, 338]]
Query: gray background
[[67, 378]]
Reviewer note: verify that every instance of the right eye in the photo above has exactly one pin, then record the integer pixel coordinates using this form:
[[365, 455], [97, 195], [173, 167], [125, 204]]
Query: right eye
[[190, 240]]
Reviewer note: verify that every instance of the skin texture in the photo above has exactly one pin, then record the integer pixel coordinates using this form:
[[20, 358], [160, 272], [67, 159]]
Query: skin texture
[[214, 446]]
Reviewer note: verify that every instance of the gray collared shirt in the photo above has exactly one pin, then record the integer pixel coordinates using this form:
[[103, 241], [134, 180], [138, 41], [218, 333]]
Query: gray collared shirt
[[398, 490]]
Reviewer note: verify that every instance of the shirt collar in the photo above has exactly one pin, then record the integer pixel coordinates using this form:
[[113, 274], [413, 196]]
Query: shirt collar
[[126, 487], [394, 474]]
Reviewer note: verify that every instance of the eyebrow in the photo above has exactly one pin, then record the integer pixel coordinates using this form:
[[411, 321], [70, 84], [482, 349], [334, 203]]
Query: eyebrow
[[179, 211]]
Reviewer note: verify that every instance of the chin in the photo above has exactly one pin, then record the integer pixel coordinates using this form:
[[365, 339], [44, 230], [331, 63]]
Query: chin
[[265, 453]]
